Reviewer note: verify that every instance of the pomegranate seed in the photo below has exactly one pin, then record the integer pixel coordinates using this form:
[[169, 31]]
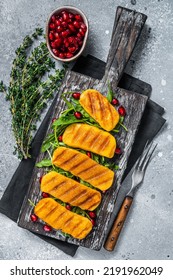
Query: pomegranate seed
[[64, 24], [92, 214], [118, 151], [53, 120], [59, 29], [121, 111], [71, 39], [57, 22], [45, 195], [58, 42], [71, 16], [55, 51], [72, 49], [115, 101], [68, 207], [78, 18], [88, 154], [62, 49], [93, 222], [81, 31], [61, 55], [65, 33], [60, 138], [51, 37], [33, 217], [79, 35], [78, 115], [53, 18], [52, 26], [72, 28], [65, 15], [83, 26], [69, 55], [40, 179], [53, 45], [57, 35], [47, 228], [76, 24], [66, 44], [76, 95]]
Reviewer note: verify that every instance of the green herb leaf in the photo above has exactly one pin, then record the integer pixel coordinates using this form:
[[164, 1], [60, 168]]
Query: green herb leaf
[[44, 163], [110, 93]]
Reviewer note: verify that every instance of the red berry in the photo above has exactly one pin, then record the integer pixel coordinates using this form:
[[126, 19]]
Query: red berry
[[121, 111], [51, 36], [52, 26], [115, 101], [33, 217], [40, 179], [53, 18], [78, 115], [83, 26], [53, 120], [60, 138], [92, 214], [55, 51], [59, 29], [64, 24], [88, 154], [69, 55], [71, 27], [65, 33], [78, 18], [61, 55], [76, 24], [68, 207], [82, 32], [45, 195], [47, 228], [93, 222], [58, 42], [76, 95], [57, 22], [65, 15], [118, 151]]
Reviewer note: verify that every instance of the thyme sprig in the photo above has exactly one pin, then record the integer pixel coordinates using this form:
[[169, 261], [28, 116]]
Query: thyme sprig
[[29, 89]]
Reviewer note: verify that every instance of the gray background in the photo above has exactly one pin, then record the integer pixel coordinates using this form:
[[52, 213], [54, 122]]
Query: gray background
[[148, 230]]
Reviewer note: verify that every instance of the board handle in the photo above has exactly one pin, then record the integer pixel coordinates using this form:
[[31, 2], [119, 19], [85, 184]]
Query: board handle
[[128, 25], [118, 224]]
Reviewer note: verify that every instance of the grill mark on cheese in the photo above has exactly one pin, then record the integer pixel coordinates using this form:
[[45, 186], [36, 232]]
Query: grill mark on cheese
[[51, 212], [97, 175], [96, 139], [60, 155], [105, 143], [77, 196], [69, 159], [86, 169], [81, 162], [54, 188]]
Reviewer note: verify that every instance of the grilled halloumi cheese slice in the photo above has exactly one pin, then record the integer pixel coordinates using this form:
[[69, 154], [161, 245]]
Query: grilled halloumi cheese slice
[[82, 166], [99, 108], [70, 191], [90, 138], [58, 217]]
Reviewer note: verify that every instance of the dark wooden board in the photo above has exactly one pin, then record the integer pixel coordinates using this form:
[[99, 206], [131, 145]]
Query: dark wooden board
[[134, 104]]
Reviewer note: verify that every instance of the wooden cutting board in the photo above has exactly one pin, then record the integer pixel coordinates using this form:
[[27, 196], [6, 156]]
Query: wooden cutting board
[[127, 28]]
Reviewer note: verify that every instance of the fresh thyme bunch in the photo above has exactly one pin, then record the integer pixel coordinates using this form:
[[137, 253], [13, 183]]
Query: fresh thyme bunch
[[28, 92]]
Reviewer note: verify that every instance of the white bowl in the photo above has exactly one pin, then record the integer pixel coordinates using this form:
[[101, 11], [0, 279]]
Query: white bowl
[[73, 10]]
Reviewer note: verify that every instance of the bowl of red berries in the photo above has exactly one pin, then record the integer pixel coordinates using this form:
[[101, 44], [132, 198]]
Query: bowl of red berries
[[66, 33]]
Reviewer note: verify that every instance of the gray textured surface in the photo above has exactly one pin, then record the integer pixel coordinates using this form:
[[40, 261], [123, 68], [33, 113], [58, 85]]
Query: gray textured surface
[[148, 230]]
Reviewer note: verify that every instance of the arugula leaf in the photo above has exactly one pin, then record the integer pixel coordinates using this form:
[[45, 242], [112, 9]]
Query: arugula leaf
[[110, 93], [44, 163]]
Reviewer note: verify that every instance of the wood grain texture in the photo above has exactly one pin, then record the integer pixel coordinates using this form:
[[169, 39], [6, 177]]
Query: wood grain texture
[[134, 104], [118, 224]]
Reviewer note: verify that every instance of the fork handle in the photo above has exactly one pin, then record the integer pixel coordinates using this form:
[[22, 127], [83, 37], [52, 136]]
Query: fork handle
[[118, 224]]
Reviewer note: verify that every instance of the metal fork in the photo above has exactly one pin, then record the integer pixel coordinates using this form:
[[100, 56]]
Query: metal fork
[[137, 179]]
